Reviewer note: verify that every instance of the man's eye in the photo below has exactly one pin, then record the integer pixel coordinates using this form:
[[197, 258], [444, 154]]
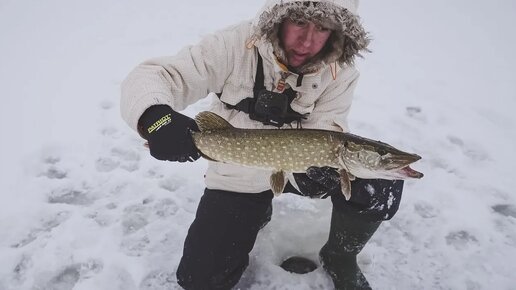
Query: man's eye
[[322, 28], [300, 22]]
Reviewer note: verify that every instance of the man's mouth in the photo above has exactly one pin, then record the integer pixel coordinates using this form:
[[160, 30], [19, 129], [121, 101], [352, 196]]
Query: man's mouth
[[299, 55], [297, 59]]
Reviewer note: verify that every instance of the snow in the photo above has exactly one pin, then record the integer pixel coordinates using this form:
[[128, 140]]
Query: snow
[[84, 206]]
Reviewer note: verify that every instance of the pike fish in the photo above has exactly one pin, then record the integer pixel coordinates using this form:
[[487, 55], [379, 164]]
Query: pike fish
[[295, 150]]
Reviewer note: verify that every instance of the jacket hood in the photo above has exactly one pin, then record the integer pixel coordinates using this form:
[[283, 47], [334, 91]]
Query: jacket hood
[[348, 38]]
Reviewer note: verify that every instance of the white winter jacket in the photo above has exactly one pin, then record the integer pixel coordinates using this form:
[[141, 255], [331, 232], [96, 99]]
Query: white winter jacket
[[225, 63]]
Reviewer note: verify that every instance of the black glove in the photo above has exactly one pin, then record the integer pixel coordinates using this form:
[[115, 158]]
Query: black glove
[[372, 199], [318, 182], [168, 134]]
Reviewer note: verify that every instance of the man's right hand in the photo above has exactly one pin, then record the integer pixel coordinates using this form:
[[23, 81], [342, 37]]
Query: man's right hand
[[318, 182], [168, 134]]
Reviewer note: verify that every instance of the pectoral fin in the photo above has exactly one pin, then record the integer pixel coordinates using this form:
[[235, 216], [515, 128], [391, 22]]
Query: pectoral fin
[[277, 181], [345, 183]]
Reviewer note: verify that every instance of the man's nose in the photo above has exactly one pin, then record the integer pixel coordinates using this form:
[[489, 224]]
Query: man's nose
[[307, 36]]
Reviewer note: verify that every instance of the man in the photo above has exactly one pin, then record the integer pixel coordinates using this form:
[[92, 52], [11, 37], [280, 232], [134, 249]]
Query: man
[[291, 67]]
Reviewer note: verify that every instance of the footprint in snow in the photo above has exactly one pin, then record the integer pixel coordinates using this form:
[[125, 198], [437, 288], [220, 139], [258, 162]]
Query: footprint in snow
[[171, 184], [118, 158], [507, 210], [426, 210], [20, 270], [101, 218], [159, 280], [45, 227], [106, 164], [71, 196], [460, 239], [54, 173], [129, 158], [505, 224], [475, 154], [165, 207], [66, 278], [416, 113], [51, 159], [135, 218], [136, 245], [109, 132], [52, 170]]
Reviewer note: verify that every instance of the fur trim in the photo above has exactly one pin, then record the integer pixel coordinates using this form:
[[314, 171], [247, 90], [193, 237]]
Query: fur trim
[[348, 38]]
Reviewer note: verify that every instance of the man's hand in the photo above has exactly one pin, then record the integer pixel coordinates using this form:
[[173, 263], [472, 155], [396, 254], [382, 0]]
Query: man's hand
[[373, 199], [168, 134], [318, 182]]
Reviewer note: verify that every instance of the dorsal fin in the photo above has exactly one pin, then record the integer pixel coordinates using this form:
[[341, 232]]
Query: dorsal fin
[[211, 121]]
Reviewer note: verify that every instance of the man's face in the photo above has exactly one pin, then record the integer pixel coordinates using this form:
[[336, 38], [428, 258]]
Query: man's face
[[302, 40]]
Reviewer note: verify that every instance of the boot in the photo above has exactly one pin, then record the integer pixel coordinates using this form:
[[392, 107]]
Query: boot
[[348, 236]]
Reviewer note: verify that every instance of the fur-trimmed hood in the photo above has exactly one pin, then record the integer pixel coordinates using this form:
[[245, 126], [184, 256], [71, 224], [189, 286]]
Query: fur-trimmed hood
[[347, 40]]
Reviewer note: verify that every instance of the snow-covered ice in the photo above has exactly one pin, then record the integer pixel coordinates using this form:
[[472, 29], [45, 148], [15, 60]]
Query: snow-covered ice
[[84, 206]]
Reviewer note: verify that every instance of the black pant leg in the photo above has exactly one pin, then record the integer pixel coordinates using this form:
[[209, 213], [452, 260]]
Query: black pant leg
[[216, 250]]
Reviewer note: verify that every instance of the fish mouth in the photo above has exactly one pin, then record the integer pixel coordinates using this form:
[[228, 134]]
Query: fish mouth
[[409, 172], [400, 165]]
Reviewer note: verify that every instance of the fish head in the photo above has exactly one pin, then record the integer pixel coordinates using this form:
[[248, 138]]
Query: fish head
[[365, 158]]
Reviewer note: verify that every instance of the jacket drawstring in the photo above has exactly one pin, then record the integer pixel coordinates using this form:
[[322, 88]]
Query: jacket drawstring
[[333, 69]]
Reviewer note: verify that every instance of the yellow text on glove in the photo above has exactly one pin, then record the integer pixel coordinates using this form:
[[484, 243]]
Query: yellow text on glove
[[165, 120]]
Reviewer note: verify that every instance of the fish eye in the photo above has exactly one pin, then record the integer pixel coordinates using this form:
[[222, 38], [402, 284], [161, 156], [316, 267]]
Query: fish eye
[[382, 152]]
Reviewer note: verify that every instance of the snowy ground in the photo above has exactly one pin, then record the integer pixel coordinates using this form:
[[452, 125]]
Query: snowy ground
[[85, 207]]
